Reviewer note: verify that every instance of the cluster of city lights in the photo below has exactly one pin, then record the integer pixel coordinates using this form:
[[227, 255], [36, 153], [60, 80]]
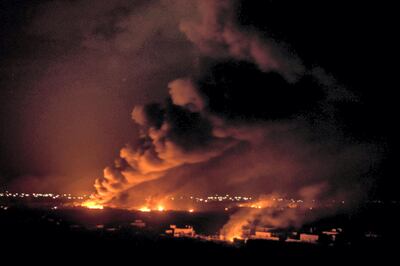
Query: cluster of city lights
[[215, 198], [42, 195]]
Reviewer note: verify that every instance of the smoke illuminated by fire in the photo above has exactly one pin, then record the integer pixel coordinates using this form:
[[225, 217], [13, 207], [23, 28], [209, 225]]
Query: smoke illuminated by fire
[[274, 212], [250, 118], [234, 228]]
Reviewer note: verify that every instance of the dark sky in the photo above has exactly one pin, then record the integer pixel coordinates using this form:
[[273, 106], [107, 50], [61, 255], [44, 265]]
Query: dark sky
[[71, 71]]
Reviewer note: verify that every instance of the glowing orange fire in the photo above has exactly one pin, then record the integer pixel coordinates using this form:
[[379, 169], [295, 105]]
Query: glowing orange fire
[[148, 208], [145, 209], [90, 204]]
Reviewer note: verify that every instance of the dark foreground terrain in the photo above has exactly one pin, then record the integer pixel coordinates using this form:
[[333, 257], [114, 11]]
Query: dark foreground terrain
[[79, 236]]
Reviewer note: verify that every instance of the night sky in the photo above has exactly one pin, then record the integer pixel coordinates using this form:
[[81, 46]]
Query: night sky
[[71, 72]]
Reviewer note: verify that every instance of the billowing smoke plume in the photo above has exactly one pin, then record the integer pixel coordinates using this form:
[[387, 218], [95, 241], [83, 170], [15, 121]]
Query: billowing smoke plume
[[172, 135], [250, 118], [216, 33], [273, 211]]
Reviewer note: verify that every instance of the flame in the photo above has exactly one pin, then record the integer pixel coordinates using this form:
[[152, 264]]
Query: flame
[[145, 209], [91, 204], [234, 232], [242, 219], [190, 210]]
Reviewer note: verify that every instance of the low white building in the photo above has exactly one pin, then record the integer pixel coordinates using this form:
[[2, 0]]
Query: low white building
[[332, 233], [186, 231]]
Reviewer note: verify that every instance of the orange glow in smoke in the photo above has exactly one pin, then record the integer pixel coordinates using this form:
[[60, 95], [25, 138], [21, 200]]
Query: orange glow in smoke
[[231, 239], [90, 204]]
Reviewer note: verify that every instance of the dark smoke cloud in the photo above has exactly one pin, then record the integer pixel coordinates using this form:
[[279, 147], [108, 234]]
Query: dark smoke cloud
[[250, 118], [216, 32], [259, 96]]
